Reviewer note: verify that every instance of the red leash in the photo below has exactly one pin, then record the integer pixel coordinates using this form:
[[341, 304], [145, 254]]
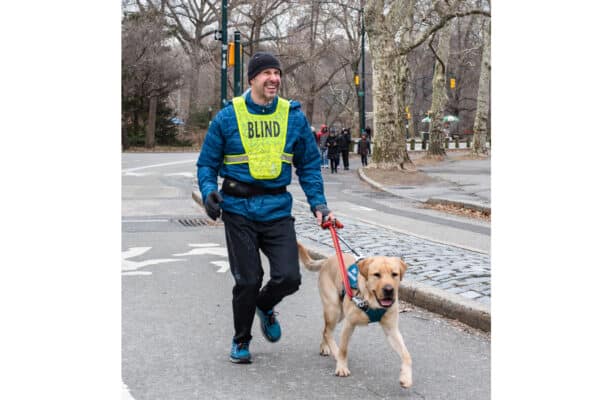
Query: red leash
[[332, 225]]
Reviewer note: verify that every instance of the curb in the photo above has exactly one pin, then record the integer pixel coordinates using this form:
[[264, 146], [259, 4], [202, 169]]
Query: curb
[[450, 305], [430, 201], [469, 206]]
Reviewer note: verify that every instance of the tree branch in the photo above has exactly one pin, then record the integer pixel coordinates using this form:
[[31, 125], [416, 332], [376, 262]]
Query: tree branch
[[436, 55], [442, 22]]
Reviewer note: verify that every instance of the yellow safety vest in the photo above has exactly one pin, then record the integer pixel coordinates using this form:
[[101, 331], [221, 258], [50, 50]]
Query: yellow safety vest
[[263, 138]]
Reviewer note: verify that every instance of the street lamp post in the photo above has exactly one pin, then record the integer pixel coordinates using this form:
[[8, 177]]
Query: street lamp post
[[363, 110], [223, 53], [237, 88]]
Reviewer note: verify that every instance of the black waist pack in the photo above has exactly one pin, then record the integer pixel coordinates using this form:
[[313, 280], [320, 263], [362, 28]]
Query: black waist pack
[[241, 189]]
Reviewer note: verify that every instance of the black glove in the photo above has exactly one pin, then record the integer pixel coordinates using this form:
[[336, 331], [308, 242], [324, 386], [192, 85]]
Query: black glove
[[324, 211], [213, 209]]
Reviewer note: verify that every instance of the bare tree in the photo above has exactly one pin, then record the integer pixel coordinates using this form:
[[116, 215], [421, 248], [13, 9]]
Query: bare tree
[[483, 106], [439, 97], [255, 17], [349, 19], [150, 69], [393, 35], [382, 29], [311, 56], [192, 22]]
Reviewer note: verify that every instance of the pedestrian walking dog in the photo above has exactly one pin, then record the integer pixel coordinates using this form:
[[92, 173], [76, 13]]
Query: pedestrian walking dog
[[377, 282]]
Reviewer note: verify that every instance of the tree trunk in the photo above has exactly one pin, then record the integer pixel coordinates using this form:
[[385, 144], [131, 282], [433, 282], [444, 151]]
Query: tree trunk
[[151, 126], [124, 137], [389, 84], [385, 143], [410, 96], [480, 127], [401, 89], [194, 92], [439, 97], [309, 107]]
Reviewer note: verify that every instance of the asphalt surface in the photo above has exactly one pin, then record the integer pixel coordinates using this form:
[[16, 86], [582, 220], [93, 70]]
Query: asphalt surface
[[176, 313]]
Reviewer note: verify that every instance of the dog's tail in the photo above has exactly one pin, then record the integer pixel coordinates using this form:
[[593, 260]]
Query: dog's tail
[[309, 263]]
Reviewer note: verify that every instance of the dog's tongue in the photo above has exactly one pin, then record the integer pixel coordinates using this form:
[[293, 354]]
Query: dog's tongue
[[386, 303]]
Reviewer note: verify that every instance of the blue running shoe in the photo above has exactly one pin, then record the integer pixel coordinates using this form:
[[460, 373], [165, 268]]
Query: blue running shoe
[[269, 325], [240, 353]]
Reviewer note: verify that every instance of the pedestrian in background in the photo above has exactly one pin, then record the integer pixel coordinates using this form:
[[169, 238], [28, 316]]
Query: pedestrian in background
[[252, 143], [345, 141], [364, 149], [333, 150], [369, 134], [322, 136]]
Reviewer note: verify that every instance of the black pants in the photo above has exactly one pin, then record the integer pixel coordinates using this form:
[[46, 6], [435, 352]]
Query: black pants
[[277, 240], [334, 162], [345, 159], [363, 159]]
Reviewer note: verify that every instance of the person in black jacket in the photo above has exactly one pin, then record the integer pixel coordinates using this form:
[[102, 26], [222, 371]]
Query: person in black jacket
[[364, 149], [345, 141], [333, 150]]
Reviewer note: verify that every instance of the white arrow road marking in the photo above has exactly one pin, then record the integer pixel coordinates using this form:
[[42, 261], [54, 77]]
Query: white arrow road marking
[[128, 265], [134, 252], [205, 248], [223, 264], [186, 174], [209, 248], [125, 395], [137, 173]]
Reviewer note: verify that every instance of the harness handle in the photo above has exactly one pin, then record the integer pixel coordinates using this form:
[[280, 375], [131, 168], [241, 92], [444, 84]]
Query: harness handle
[[329, 222], [332, 225]]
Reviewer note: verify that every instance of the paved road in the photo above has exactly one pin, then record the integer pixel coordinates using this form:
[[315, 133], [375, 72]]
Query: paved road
[[176, 322]]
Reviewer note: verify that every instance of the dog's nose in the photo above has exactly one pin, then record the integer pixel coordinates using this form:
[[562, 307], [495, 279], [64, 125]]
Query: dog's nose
[[388, 290]]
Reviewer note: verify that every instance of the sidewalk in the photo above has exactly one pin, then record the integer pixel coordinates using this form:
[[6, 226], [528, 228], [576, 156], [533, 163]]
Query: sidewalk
[[464, 183]]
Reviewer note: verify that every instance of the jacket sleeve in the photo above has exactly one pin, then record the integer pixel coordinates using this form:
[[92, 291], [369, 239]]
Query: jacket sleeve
[[210, 159], [307, 160]]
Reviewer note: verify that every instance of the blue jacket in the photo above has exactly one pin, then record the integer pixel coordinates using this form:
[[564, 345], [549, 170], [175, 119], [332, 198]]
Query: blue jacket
[[223, 138]]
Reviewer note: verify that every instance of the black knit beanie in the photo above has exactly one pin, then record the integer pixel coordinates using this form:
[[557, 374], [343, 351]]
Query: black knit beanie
[[261, 61]]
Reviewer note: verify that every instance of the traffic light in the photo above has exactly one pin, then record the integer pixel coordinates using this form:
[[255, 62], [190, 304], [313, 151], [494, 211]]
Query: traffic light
[[356, 79], [230, 54], [452, 83]]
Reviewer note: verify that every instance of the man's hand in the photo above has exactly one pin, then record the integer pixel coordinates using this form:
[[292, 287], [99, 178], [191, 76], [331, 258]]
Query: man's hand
[[321, 211], [213, 209]]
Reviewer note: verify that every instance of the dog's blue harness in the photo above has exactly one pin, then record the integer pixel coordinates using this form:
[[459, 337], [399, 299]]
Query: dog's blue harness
[[374, 314]]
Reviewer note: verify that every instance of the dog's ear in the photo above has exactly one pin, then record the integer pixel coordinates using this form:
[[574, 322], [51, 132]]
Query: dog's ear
[[402, 266], [363, 266]]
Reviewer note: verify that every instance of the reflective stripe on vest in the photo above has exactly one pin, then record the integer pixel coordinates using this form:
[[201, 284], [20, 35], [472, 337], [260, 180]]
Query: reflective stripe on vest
[[263, 138]]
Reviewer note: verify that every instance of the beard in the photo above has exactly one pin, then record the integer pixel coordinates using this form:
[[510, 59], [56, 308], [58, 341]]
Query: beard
[[264, 92], [269, 91]]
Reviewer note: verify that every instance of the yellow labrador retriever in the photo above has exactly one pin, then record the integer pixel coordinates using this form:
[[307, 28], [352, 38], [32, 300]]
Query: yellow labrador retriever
[[378, 283]]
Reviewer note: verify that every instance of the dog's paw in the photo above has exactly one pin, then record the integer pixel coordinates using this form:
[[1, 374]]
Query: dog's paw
[[324, 351], [342, 371], [406, 378]]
